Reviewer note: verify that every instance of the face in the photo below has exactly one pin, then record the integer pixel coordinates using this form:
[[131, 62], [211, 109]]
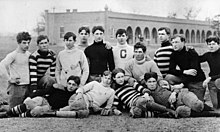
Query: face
[[139, 54], [83, 36], [71, 86], [121, 38], [119, 78], [98, 36], [106, 80], [163, 36], [213, 46], [69, 43], [164, 84], [24, 45], [177, 44], [151, 83], [43, 45]]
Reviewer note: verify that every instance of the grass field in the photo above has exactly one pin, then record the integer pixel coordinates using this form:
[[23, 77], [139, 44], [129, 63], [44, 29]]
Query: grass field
[[99, 123]]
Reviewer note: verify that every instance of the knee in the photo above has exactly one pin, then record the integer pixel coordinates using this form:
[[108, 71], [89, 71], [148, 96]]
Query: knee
[[217, 83], [170, 78], [183, 111], [198, 106], [141, 102]]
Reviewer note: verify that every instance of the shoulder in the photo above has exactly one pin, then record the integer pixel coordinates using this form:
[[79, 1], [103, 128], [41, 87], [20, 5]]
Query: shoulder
[[52, 53], [34, 54]]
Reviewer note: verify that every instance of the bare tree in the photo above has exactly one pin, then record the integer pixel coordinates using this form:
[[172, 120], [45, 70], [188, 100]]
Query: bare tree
[[40, 27], [172, 15], [191, 13], [215, 24]]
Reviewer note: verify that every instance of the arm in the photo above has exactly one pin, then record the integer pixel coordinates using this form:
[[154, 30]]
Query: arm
[[33, 70], [110, 100], [172, 67], [128, 69], [53, 65], [111, 62], [4, 65], [42, 92], [154, 68], [58, 69], [85, 69], [89, 86]]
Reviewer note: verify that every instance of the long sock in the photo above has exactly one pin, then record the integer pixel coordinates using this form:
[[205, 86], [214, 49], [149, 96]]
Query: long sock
[[26, 114], [17, 110], [66, 114], [49, 114], [152, 106], [205, 114]]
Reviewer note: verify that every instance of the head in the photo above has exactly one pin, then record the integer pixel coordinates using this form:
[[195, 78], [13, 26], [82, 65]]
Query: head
[[164, 34], [43, 43], [121, 36], [23, 40], [106, 78], [73, 83], [98, 33], [151, 80], [164, 84], [139, 51], [84, 34], [178, 41], [212, 43], [69, 40], [118, 75]]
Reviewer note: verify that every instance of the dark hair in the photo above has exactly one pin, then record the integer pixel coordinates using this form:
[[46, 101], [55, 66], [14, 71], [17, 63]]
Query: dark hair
[[68, 35], [107, 73], [84, 28], [76, 79], [181, 36], [97, 28], [120, 31], [23, 36], [149, 75], [167, 30], [42, 37], [116, 71], [212, 38], [139, 45]]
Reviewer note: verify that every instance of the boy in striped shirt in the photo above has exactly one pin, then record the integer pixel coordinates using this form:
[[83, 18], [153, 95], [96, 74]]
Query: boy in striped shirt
[[42, 60]]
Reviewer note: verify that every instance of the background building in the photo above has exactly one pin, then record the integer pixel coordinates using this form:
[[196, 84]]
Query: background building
[[57, 24]]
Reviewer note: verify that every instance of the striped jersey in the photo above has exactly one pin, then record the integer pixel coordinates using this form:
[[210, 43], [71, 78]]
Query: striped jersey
[[39, 63], [127, 93], [162, 58]]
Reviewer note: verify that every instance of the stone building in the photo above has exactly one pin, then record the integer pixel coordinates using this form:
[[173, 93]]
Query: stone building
[[57, 24]]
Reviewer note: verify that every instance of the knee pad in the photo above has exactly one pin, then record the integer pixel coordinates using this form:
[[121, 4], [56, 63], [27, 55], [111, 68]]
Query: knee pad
[[136, 112], [183, 111], [198, 106]]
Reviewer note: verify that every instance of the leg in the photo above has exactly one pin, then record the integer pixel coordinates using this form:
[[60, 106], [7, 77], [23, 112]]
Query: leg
[[213, 92], [191, 100], [73, 114], [172, 79], [17, 110], [197, 89], [183, 111]]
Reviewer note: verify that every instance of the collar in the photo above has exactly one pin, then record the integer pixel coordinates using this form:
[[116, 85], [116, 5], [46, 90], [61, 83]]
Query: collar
[[140, 62], [43, 53], [166, 43]]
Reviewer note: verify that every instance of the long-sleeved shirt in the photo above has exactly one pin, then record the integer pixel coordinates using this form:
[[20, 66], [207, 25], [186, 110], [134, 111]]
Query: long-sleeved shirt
[[98, 94], [15, 64], [100, 58], [213, 59], [39, 63], [57, 98], [71, 62], [185, 60], [137, 69], [125, 94], [122, 54], [162, 57]]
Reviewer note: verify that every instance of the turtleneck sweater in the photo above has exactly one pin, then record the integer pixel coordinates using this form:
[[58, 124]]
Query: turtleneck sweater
[[213, 59], [39, 63], [162, 57], [137, 69], [71, 62], [100, 58]]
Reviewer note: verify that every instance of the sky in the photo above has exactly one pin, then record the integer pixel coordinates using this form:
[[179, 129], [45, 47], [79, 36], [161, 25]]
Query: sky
[[23, 15]]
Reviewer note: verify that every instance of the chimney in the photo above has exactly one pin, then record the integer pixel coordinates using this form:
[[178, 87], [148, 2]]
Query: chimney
[[68, 10], [74, 10]]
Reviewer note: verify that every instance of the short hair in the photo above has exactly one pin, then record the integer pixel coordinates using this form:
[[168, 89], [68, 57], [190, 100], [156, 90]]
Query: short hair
[[120, 31], [107, 73], [149, 75], [23, 36], [76, 79], [212, 38], [181, 36], [167, 30], [86, 28], [139, 45], [116, 71], [42, 37], [98, 28], [68, 35]]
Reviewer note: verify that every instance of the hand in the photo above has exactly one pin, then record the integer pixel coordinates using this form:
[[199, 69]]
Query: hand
[[117, 112], [172, 97], [108, 45], [147, 97], [178, 86], [205, 83], [131, 81], [191, 72], [14, 80], [58, 86], [105, 112]]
